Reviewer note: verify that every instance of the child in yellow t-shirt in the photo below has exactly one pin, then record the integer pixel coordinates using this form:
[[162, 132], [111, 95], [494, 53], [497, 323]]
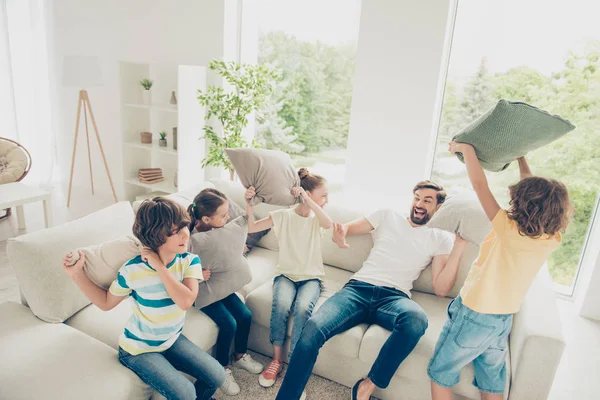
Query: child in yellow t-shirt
[[480, 318]]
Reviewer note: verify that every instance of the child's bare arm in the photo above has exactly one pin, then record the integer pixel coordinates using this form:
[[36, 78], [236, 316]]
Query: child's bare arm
[[477, 178], [524, 168], [255, 226], [103, 299], [324, 219]]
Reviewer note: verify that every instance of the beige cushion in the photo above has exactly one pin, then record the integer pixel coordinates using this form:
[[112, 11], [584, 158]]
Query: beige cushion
[[269, 171], [107, 326], [262, 263], [348, 343], [55, 361], [13, 162], [37, 259], [415, 366], [103, 261], [222, 251], [462, 213]]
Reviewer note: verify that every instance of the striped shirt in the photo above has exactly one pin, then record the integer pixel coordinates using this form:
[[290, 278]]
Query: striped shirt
[[157, 321]]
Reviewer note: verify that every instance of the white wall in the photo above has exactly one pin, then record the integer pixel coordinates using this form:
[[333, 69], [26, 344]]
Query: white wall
[[184, 32], [587, 291], [395, 98]]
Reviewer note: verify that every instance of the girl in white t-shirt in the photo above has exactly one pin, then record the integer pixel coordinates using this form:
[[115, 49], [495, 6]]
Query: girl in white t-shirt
[[300, 268]]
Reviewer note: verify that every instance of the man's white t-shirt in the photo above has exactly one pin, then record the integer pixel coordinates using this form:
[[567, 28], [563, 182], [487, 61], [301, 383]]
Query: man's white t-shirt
[[400, 251]]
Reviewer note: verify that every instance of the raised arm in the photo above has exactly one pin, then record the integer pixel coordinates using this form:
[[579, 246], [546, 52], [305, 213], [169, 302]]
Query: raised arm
[[356, 227], [183, 294], [444, 268], [255, 226], [524, 169], [477, 178], [103, 299], [324, 219]]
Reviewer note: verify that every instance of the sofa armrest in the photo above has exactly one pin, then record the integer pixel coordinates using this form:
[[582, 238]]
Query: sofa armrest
[[536, 342]]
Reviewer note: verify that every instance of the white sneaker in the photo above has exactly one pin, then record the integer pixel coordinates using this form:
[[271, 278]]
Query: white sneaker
[[249, 364], [230, 386]]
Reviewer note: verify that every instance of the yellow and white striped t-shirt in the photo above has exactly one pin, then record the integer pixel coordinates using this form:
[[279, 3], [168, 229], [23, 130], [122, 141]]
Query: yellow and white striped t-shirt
[[157, 321]]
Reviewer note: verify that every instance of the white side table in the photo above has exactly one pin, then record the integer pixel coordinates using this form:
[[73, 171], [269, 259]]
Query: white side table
[[17, 194]]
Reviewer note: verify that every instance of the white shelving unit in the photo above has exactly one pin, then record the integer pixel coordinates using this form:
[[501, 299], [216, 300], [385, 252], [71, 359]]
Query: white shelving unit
[[137, 117]]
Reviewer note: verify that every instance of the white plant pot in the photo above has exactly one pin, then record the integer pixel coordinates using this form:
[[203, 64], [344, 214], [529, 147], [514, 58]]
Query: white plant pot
[[146, 97]]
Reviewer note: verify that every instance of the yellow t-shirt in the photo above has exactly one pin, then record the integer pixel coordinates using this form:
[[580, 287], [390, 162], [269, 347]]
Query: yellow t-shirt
[[299, 245], [507, 264]]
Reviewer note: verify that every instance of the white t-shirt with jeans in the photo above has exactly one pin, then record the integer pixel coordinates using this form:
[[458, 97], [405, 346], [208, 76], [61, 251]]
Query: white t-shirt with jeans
[[400, 251]]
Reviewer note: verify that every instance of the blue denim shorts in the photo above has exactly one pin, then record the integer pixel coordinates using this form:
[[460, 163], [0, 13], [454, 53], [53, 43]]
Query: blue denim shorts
[[469, 336]]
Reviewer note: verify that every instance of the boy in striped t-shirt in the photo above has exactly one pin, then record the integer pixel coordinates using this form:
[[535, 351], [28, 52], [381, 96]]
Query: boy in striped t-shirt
[[163, 283]]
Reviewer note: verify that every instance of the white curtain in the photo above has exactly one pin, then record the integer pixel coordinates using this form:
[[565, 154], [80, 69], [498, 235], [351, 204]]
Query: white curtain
[[25, 79]]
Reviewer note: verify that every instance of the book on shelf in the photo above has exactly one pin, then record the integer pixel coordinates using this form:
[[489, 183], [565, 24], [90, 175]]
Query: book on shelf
[[150, 175], [152, 181]]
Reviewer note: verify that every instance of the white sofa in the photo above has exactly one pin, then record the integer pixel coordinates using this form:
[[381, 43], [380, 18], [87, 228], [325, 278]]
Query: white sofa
[[78, 359]]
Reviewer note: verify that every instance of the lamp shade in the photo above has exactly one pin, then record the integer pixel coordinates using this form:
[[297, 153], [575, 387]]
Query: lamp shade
[[81, 71]]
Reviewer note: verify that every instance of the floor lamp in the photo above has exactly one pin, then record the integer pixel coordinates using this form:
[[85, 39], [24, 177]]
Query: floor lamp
[[84, 72]]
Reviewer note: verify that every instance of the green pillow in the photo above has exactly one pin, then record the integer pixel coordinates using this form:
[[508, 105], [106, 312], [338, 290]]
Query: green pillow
[[510, 130]]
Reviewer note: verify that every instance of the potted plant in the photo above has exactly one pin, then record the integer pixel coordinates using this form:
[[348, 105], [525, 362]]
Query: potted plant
[[251, 87], [162, 142], [146, 85], [146, 137]]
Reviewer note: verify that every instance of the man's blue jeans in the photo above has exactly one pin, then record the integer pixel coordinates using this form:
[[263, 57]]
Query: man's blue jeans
[[358, 302], [161, 370]]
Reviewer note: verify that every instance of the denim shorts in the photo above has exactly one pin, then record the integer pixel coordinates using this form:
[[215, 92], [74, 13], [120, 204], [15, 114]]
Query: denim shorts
[[469, 336]]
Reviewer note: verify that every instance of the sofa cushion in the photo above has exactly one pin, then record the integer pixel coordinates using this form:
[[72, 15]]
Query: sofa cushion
[[221, 250], [37, 259], [103, 261], [462, 213], [269, 171], [510, 130], [415, 366], [348, 343], [41, 360], [262, 263], [107, 326]]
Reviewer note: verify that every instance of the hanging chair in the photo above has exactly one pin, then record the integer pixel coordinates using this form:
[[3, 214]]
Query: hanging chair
[[15, 163]]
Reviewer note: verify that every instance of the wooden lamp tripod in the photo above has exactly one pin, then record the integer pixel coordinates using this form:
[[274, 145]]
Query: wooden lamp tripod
[[84, 71]]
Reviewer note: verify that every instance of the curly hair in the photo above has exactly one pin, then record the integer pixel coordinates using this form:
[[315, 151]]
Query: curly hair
[[540, 206], [157, 219]]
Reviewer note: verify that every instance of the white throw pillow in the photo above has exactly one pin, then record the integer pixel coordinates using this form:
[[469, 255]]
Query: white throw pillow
[[37, 259], [103, 261], [463, 214]]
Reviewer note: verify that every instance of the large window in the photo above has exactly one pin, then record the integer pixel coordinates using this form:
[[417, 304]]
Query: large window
[[313, 45], [545, 54]]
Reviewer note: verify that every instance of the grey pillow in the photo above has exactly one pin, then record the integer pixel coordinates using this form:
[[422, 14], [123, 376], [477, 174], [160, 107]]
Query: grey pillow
[[236, 211], [463, 214], [220, 250], [269, 171], [510, 130]]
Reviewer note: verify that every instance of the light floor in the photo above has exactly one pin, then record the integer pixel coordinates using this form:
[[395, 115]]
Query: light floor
[[578, 376]]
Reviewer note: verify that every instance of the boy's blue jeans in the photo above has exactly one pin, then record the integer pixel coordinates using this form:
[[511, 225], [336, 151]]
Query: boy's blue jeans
[[161, 370]]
